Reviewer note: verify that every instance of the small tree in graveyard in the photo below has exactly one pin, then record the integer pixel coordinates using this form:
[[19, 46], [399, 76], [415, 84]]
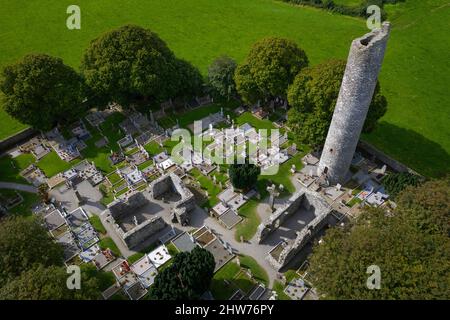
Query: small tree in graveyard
[[269, 68], [221, 77], [244, 176], [41, 91], [188, 277], [131, 63]]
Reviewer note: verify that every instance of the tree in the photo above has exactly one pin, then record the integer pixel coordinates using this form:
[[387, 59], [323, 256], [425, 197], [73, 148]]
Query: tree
[[244, 176], [221, 77], [190, 80], [131, 63], [411, 248], [40, 90], [428, 205], [24, 243], [48, 283], [313, 96], [188, 277], [269, 68]]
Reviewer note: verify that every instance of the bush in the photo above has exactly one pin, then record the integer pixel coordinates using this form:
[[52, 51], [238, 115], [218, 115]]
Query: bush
[[354, 11], [394, 183], [244, 176]]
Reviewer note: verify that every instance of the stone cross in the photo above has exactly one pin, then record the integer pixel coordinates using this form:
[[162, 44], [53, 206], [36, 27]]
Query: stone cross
[[214, 179], [152, 118], [273, 193]]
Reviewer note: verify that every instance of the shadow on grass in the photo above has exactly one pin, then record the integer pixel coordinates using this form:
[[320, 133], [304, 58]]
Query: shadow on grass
[[11, 167], [411, 148]]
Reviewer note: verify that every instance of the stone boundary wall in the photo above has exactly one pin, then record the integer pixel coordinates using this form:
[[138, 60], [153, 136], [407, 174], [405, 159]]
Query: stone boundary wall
[[12, 141], [394, 164]]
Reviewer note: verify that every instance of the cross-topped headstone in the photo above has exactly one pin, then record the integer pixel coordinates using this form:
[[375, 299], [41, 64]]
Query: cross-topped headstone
[[273, 193]]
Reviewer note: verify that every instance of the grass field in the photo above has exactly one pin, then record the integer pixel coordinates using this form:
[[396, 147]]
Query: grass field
[[414, 77]]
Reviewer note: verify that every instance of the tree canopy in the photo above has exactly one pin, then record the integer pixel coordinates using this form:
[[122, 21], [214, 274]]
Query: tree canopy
[[132, 62], [48, 283], [269, 68], [24, 243], [40, 90], [221, 77], [188, 277], [313, 96], [244, 176], [411, 247]]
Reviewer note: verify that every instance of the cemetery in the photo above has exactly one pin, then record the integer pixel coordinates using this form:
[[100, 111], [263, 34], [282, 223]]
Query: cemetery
[[147, 196], [110, 193]]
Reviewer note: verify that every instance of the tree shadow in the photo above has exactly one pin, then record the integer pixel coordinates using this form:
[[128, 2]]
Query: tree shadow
[[411, 148]]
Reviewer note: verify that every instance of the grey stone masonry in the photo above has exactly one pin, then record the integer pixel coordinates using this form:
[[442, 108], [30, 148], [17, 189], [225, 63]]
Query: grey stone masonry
[[358, 85]]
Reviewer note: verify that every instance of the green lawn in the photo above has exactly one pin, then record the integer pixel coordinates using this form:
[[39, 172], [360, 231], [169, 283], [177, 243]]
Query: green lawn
[[247, 117], [24, 208], [236, 277], [283, 176], [153, 148], [97, 224], [52, 164], [107, 242], [11, 167], [414, 77], [247, 228], [185, 118], [208, 185]]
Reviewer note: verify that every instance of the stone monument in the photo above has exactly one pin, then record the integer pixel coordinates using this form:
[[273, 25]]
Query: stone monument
[[358, 85]]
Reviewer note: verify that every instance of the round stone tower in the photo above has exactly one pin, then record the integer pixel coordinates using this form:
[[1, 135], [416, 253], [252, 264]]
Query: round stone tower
[[358, 85]]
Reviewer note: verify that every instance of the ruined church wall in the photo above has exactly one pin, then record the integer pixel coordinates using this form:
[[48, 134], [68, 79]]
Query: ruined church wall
[[119, 208], [279, 216], [143, 231]]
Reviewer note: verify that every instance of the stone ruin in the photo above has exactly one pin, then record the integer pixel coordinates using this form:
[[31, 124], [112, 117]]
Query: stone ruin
[[131, 237], [170, 188], [302, 201]]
